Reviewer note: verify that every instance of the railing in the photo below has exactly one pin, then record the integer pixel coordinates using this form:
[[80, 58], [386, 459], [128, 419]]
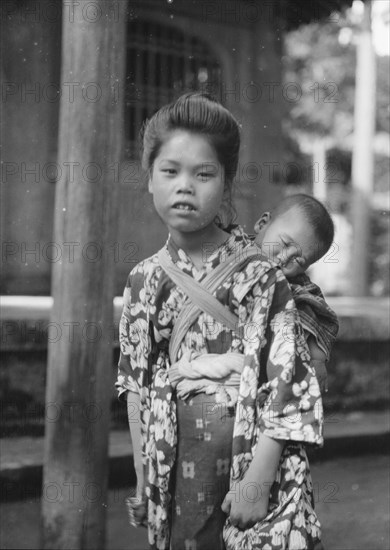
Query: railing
[[25, 320]]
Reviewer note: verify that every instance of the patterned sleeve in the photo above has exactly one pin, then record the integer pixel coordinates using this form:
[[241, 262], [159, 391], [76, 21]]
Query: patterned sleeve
[[289, 404], [125, 382], [134, 338]]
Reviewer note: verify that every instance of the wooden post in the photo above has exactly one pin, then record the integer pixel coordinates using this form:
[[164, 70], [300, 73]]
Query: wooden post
[[363, 155], [80, 337]]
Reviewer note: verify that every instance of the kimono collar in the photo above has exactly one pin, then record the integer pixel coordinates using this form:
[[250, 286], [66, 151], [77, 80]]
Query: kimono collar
[[236, 239]]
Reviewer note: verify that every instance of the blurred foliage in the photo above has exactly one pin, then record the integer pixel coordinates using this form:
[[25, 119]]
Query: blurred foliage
[[379, 254], [320, 59], [300, 12]]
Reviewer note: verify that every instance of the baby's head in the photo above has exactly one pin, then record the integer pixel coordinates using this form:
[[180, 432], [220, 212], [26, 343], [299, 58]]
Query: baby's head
[[295, 234]]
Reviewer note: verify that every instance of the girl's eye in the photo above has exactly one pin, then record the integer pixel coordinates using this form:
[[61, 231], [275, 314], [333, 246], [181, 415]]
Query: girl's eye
[[205, 175], [169, 171]]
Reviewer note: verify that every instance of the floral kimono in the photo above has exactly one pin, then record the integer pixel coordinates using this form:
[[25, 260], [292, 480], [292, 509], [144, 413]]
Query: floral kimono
[[194, 450]]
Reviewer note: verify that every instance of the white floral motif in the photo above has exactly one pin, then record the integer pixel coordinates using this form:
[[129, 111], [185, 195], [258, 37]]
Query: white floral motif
[[121, 380], [292, 420], [299, 520], [188, 469], [278, 532], [248, 382], [296, 541], [164, 315], [314, 388], [282, 350], [163, 468]]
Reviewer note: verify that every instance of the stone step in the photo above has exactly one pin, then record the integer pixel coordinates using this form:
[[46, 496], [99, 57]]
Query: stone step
[[22, 457]]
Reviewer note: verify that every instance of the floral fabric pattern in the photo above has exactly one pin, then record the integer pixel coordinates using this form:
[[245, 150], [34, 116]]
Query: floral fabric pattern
[[278, 394]]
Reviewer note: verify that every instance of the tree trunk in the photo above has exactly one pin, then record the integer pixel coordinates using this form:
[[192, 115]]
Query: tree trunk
[[80, 335]]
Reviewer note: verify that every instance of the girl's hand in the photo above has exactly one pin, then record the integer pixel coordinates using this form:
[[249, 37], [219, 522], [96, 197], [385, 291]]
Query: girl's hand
[[246, 504], [137, 511]]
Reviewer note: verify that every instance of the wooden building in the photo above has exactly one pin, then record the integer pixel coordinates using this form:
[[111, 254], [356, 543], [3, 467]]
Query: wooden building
[[232, 49]]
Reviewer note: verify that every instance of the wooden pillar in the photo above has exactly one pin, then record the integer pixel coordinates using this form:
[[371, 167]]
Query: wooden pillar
[[80, 338], [363, 155]]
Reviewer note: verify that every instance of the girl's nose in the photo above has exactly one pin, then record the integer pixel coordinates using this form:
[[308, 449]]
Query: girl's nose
[[186, 185]]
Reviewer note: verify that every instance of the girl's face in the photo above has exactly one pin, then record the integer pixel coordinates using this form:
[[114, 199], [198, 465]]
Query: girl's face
[[187, 183]]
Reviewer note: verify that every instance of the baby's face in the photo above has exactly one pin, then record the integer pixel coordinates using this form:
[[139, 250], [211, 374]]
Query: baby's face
[[288, 240]]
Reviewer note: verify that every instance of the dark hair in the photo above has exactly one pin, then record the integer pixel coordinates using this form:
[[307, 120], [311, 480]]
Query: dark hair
[[316, 214], [199, 113]]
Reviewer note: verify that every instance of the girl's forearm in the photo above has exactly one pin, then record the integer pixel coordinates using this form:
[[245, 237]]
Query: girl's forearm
[[264, 465], [133, 410], [256, 485]]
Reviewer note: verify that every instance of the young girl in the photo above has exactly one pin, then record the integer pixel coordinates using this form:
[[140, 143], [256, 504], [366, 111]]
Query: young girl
[[195, 450]]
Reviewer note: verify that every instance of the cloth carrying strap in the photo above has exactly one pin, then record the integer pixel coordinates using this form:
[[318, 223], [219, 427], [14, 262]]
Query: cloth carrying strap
[[200, 294]]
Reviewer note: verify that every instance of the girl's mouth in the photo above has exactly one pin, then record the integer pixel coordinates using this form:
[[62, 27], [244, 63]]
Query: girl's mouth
[[183, 206]]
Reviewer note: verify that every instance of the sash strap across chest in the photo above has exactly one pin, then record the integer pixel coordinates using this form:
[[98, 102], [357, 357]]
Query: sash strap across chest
[[200, 294]]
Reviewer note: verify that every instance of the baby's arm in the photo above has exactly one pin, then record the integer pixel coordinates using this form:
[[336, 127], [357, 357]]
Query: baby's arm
[[318, 362]]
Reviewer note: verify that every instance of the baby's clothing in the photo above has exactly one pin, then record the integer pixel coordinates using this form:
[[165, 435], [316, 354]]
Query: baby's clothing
[[317, 318], [220, 373], [210, 373]]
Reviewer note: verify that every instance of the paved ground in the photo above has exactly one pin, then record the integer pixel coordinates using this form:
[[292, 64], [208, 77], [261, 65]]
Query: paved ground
[[22, 453], [352, 496]]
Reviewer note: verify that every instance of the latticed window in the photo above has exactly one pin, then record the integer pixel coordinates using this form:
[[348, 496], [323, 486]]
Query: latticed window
[[162, 63]]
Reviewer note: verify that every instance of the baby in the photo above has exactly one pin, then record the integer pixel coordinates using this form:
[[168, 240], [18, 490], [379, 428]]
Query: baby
[[295, 234]]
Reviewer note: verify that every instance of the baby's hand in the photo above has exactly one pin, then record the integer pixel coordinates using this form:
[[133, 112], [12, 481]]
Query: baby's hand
[[246, 504]]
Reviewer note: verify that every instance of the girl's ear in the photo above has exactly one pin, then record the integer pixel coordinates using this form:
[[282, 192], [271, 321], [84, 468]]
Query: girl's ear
[[261, 222]]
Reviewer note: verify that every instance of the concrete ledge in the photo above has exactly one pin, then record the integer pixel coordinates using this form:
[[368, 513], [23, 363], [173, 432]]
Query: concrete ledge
[[22, 458], [25, 320]]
